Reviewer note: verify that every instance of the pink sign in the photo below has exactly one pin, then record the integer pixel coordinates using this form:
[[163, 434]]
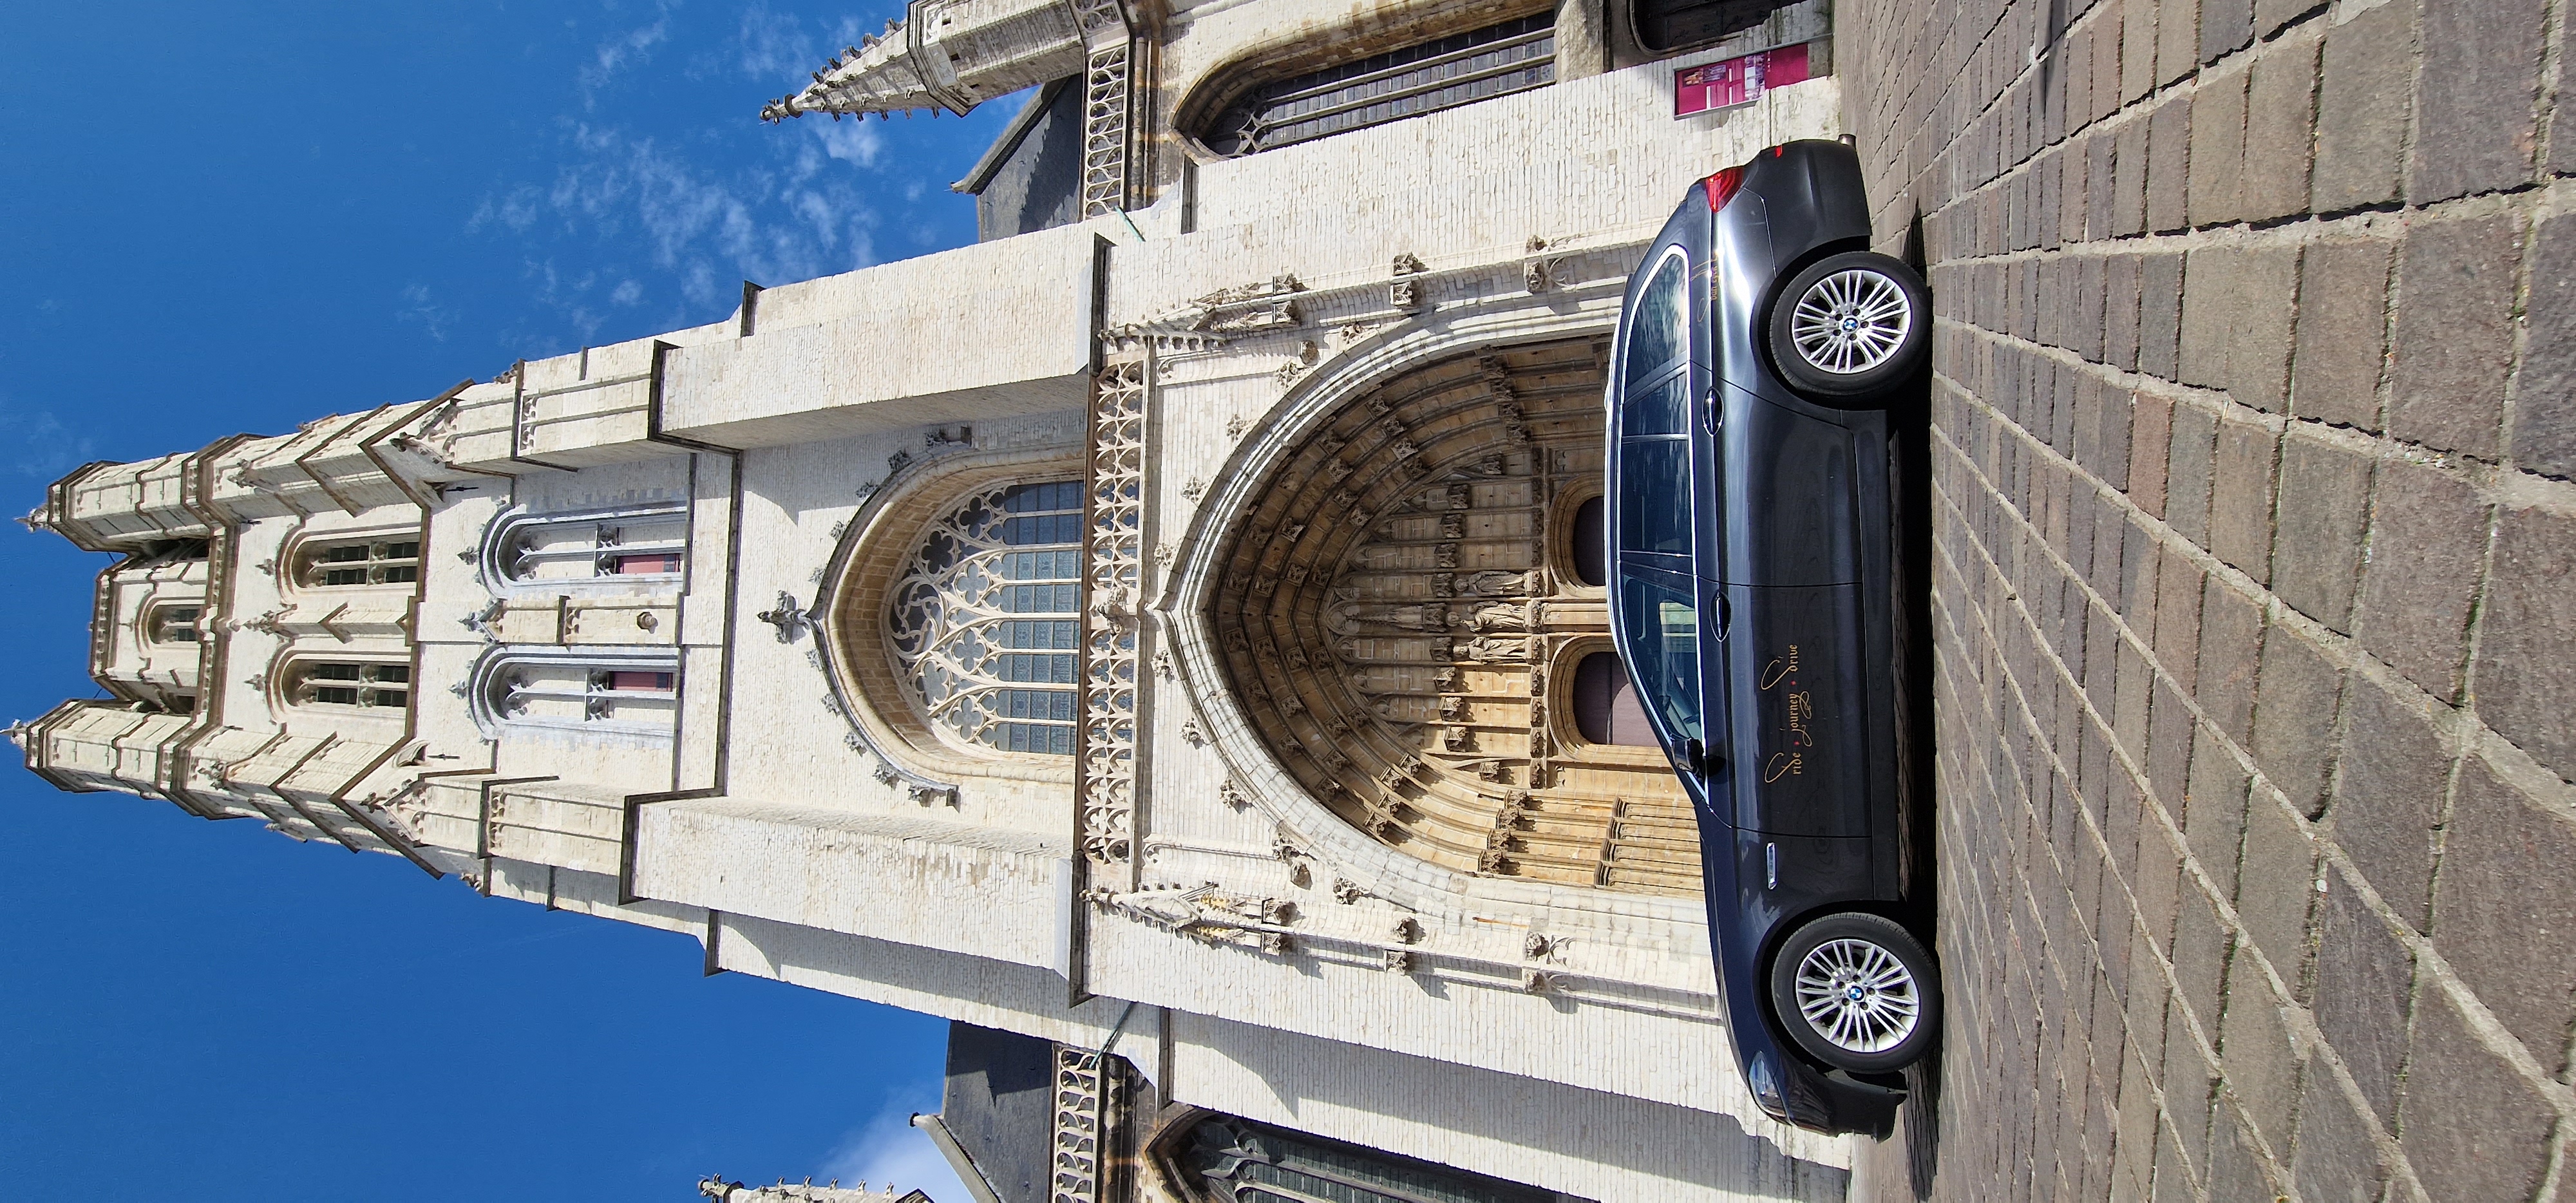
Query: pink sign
[[1737, 80]]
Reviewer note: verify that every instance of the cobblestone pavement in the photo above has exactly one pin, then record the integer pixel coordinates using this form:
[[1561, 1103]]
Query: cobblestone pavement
[[2253, 424]]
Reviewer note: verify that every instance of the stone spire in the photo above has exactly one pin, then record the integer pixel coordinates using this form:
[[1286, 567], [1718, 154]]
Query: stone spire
[[718, 1189], [953, 55]]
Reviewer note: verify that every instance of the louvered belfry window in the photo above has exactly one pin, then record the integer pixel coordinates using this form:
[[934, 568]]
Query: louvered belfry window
[[987, 615], [1498, 60]]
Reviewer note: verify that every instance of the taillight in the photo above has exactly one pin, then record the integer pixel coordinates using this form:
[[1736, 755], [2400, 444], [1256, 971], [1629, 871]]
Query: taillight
[[1721, 187]]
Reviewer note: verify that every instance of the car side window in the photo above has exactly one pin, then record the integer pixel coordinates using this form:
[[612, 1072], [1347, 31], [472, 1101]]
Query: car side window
[[1655, 335], [1655, 496], [1660, 408], [1663, 624]]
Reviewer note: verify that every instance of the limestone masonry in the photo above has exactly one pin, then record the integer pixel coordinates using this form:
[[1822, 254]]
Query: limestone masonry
[[1154, 638]]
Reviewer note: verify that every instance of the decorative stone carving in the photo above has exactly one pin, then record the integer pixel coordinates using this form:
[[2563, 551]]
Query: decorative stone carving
[[1392, 641], [791, 621]]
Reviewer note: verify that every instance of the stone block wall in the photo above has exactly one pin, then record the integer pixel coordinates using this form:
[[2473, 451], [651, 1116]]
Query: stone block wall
[[2252, 430]]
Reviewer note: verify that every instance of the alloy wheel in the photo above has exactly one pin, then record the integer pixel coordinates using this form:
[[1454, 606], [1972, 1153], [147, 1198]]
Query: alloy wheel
[[1851, 321], [1858, 995]]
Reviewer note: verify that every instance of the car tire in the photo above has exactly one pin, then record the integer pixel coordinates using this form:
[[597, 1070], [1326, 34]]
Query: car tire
[[1851, 328], [1857, 992]]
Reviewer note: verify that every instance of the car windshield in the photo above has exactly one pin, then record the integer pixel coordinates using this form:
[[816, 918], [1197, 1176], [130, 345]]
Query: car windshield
[[1655, 324], [1663, 629], [1654, 496]]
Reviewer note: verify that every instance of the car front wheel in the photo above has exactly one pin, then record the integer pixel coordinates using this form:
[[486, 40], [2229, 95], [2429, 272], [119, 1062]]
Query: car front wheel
[[1851, 327], [1858, 992]]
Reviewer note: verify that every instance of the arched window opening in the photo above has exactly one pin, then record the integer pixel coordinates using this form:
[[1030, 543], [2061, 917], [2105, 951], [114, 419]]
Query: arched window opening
[[1673, 26], [1498, 60], [1590, 539], [987, 614], [357, 564], [172, 624], [555, 550], [609, 691], [1606, 709], [347, 683]]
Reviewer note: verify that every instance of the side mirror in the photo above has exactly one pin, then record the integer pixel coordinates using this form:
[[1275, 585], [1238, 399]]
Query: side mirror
[[1695, 757]]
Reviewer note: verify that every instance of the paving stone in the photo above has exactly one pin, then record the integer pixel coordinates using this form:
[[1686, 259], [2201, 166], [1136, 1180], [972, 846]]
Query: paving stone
[[2343, 331], [2527, 655], [2325, 494], [2177, 39], [2137, 49], [2428, 530], [2201, 945], [2476, 132], [2388, 797], [2279, 130], [2190, 1083], [2120, 311], [2236, 1169], [2365, 981], [2209, 304], [2337, 1160], [2294, 717], [2276, 884], [2217, 151], [2177, 632], [2187, 471], [2240, 503], [2364, 95], [2158, 891], [2174, 1171], [2259, 336], [2454, 331], [2271, 15], [2231, 634], [2150, 441], [2168, 160], [2504, 911], [2260, 1054], [2113, 427], [2214, 810], [2169, 729], [2225, 27], [2472, 1127], [2544, 390], [2159, 313]]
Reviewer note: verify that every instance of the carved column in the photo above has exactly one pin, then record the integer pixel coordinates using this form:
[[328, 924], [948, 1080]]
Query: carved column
[[1112, 96], [1113, 633]]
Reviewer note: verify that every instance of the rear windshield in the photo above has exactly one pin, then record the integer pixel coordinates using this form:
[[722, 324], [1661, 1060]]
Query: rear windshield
[[1655, 326], [1663, 625], [1654, 496]]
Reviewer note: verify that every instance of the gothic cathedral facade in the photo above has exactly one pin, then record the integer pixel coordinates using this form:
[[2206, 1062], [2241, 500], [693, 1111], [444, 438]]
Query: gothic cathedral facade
[[1164, 638]]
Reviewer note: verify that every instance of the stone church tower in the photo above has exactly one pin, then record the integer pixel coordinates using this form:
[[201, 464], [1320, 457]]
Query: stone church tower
[[1161, 638]]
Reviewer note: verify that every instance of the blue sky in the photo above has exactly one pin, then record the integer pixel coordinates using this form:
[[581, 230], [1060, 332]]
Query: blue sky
[[215, 220]]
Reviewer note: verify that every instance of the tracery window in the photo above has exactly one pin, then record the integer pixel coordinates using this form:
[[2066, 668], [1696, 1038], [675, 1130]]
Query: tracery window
[[1231, 1160], [371, 562], [986, 617], [1514, 56], [172, 624], [346, 683], [631, 545], [626, 691]]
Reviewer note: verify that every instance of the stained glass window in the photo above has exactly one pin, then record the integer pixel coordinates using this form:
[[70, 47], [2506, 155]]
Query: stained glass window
[[987, 613]]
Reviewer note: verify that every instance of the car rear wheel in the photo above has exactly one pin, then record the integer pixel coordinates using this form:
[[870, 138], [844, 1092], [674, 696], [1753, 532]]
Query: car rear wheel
[[1858, 992], [1851, 327]]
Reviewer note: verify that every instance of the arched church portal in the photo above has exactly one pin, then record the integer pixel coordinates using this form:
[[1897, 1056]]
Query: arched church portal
[[1403, 620]]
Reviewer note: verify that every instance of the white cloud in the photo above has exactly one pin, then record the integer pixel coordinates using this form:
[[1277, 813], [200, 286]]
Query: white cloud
[[852, 142], [618, 51], [889, 1151], [40, 447], [433, 318]]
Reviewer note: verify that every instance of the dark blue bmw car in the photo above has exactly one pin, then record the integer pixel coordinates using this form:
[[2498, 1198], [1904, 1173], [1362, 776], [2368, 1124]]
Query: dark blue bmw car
[[1755, 601]]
